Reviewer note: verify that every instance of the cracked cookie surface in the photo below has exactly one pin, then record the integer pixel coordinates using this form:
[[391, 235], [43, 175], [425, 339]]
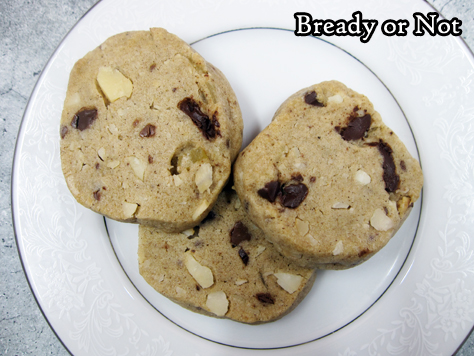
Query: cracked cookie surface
[[148, 131], [327, 181], [223, 267]]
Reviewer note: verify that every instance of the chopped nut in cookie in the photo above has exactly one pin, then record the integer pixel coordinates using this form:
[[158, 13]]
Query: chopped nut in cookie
[[177, 180], [302, 226], [380, 221], [129, 209], [339, 205], [335, 99], [203, 177], [260, 250], [338, 249], [188, 232], [289, 282], [202, 274], [138, 166], [112, 129], [101, 153], [200, 209], [113, 164], [239, 282], [402, 205], [362, 177], [217, 303], [114, 84]]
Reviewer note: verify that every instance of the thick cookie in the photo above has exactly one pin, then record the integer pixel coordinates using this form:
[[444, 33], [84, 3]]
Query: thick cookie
[[148, 131], [224, 267], [327, 181]]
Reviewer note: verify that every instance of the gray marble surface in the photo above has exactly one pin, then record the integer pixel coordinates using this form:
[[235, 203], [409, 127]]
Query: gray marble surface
[[30, 32]]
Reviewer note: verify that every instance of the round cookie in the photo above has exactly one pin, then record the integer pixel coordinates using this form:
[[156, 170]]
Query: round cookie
[[327, 181], [223, 268], [149, 131]]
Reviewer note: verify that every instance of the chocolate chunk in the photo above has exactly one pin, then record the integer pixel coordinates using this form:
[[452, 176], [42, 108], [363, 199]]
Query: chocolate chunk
[[265, 298], [84, 119], [239, 233], [356, 128], [293, 195], [148, 131], [63, 131], [207, 126], [311, 99], [270, 191], [390, 175], [243, 255]]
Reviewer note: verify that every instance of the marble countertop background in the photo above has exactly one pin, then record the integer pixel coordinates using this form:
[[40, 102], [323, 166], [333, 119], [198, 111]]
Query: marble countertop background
[[30, 32]]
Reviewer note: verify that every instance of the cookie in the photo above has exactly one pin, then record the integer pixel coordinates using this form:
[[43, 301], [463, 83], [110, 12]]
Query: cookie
[[223, 268], [327, 181], [149, 131]]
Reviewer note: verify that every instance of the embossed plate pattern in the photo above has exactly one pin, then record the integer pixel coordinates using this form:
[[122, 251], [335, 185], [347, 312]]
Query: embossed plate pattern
[[80, 284]]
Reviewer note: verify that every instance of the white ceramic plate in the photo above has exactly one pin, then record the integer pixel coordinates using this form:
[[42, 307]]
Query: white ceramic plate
[[412, 298]]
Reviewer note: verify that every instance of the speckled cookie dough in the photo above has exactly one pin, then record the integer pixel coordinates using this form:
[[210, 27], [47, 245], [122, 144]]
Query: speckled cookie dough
[[327, 181], [223, 267], [149, 131]]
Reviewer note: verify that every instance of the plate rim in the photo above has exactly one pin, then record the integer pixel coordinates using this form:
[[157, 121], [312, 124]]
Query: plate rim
[[16, 163]]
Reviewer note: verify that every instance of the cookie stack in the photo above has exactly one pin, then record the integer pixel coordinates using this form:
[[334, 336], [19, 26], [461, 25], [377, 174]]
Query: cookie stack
[[149, 134]]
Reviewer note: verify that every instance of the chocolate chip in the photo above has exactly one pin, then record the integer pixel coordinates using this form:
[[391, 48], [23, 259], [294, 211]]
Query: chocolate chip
[[148, 131], [297, 177], [63, 131], [96, 195], [195, 233], [356, 128], [265, 298], [84, 118], [243, 255], [390, 175], [363, 252], [270, 191], [207, 126], [403, 165], [239, 233], [152, 67], [150, 159], [293, 195], [311, 99]]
